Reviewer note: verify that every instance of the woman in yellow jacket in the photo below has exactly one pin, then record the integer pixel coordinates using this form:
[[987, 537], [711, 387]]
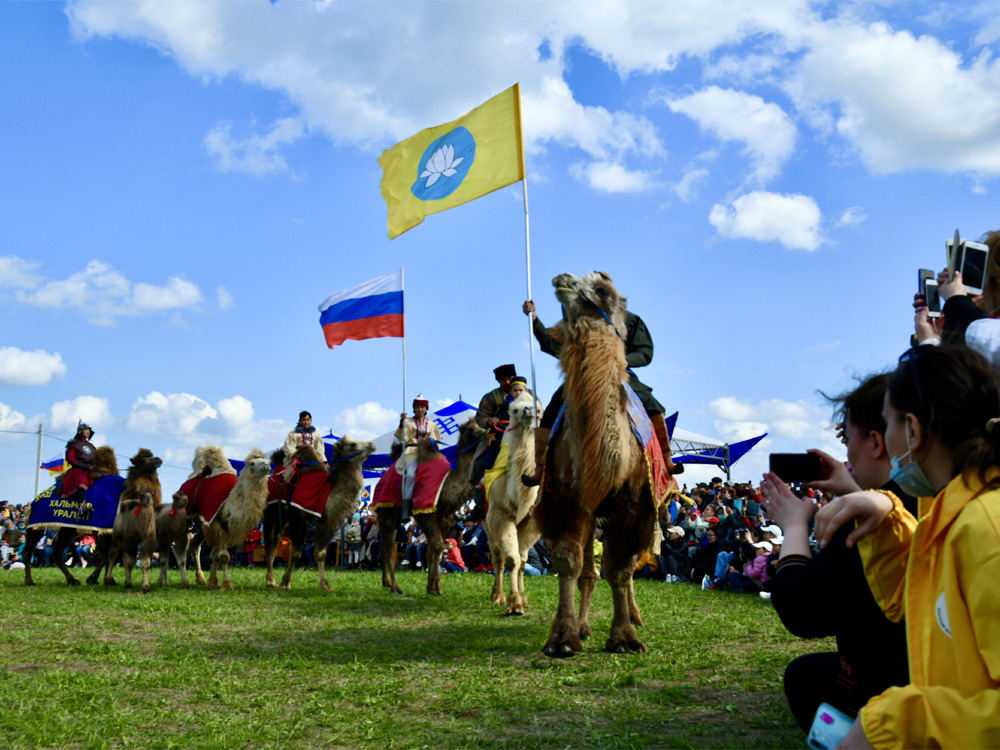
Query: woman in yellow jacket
[[942, 572]]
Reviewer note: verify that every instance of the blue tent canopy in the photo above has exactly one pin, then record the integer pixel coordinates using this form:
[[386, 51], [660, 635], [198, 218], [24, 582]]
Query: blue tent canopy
[[723, 456]]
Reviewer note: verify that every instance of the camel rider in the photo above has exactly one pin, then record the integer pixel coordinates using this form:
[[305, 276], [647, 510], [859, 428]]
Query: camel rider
[[410, 432], [487, 416], [80, 454], [303, 434], [638, 353]]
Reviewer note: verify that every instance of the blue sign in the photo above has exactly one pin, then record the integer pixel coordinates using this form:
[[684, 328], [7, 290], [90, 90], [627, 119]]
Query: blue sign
[[444, 165], [49, 509]]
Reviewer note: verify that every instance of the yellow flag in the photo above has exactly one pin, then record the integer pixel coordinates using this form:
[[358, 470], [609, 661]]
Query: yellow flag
[[448, 165]]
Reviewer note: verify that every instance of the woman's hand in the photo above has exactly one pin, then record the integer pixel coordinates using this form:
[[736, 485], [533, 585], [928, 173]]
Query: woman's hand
[[783, 507], [836, 478], [953, 287], [855, 739], [923, 326], [402, 419], [867, 509]]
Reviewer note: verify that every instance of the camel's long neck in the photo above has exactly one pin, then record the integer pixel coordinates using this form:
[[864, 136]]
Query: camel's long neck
[[593, 362]]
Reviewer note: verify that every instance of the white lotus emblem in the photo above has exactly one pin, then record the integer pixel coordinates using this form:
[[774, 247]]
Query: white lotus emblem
[[441, 164]]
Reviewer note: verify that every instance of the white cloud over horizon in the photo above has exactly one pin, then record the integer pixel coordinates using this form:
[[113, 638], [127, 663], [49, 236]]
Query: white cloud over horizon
[[366, 421], [94, 410]]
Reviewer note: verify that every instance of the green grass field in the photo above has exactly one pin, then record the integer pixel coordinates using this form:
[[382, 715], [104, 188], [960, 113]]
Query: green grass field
[[356, 667]]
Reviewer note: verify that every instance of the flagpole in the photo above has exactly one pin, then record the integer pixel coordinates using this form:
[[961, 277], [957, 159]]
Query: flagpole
[[527, 241], [402, 287], [38, 460]]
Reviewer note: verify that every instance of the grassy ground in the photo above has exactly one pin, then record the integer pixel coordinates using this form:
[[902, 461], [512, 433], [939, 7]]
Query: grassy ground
[[97, 667]]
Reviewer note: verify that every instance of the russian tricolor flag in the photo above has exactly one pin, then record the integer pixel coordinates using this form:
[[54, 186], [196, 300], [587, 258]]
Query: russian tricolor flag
[[372, 310]]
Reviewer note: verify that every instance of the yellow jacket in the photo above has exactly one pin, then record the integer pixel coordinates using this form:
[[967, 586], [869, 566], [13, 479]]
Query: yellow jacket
[[943, 574]]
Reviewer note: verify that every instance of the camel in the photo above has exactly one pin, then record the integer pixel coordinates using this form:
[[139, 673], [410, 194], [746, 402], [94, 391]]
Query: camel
[[510, 525], [240, 512], [455, 492], [595, 469], [135, 523], [329, 491], [105, 464], [172, 530]]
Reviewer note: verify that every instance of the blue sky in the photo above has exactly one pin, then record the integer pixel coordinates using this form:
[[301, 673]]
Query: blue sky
[[184, 182]]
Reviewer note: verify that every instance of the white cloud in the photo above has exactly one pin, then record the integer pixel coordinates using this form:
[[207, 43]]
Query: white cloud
[[190, 420], [738, 419], [17, 273], [10, 420], [792, 220], [688, 183], [225, 298], [93, 410], [256, 155], [904, 102], [103, 294], [20, 367], [765, 130], [851, 216], [826, 346], [612, 178], [366, 421]]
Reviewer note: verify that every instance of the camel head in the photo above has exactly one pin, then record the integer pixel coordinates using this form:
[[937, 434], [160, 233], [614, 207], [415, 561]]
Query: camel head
[[180, 500], [469, 434], [144, 462], [306, 454], [105, 461], [587, 300], [522, 410], [278, 457], [257, 463], [146, 499], [350, 449], [210, 461]]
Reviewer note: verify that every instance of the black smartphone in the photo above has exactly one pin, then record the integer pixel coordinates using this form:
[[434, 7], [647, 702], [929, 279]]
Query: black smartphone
[[796, 467]]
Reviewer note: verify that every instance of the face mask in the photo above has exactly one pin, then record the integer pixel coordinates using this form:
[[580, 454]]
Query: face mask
[[910, 478]]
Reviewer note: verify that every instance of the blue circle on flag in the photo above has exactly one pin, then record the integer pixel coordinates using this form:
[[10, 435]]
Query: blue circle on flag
[[444, 165]]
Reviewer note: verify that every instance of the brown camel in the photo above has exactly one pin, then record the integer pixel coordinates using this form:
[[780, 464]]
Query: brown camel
[[241, 512], [595, 469], [135, 524], [105, 463], [172, 533], [335, 489], [455, 492]]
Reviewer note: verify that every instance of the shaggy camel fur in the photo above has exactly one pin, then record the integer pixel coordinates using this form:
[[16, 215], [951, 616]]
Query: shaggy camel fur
[[510, 525], [104, 463], [172, 532], [135, 524], [595, 469], [240, 513], [342, 487], [455, 492]]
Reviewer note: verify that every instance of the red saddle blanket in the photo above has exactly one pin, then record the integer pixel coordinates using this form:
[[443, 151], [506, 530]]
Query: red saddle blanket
[[207, 494], [311, 492], [275, 485], [426, 488]]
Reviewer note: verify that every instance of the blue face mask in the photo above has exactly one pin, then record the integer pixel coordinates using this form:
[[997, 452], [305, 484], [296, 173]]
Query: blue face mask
[[910, 478]]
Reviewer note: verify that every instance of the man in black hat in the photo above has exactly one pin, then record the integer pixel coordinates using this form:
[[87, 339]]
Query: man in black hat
[[638, 353], [487, 416]]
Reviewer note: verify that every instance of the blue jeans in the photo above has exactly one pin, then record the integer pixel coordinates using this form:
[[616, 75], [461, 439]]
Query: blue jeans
[[721, 563], [531, 570], [450, 567]]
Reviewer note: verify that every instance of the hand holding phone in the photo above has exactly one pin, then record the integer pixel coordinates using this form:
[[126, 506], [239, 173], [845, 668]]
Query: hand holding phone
[[796, 467]]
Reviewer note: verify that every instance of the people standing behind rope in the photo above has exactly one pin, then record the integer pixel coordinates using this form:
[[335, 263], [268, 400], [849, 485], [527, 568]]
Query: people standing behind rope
[[410, 432], [638, 353], [80, 455]]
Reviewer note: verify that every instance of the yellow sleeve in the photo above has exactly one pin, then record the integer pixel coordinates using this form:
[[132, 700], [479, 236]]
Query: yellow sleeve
[[884, 554], [939, 716]]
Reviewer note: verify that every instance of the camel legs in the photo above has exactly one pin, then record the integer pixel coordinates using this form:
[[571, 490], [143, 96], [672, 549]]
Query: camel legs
[[510, 556], [496, 595], [586, 583], [223, 561], [296, 539], [388, 522], [145, 560], [31, 537], [618, 572], [323, 534], [272, 536], [431, 526], [564, 637], [113, 550], [59, 544], [527, 535], [129, 560], [195, 546], [103, 541]]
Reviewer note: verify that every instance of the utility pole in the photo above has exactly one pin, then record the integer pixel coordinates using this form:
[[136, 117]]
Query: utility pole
[[38, 460]]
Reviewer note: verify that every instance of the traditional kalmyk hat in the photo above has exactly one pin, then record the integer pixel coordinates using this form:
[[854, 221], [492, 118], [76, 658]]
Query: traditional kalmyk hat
[[504, 371], [421, 401]]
